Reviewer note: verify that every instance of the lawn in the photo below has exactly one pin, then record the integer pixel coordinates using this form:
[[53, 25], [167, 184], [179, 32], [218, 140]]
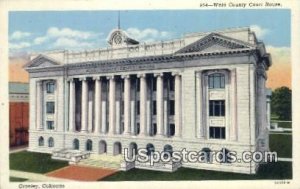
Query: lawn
[[34, 162], [282, 144], [16, 179], [278, 170]]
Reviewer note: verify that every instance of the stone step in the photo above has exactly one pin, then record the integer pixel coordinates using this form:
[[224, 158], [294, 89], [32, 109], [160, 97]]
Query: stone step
[[105, 161]]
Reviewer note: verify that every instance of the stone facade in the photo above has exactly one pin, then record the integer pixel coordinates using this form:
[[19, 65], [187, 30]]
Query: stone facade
[[204, 91]]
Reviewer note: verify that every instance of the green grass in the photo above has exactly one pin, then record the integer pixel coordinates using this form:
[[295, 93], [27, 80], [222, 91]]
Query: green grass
[[16, 179], [282, 144], [34, 162], [278, 170]]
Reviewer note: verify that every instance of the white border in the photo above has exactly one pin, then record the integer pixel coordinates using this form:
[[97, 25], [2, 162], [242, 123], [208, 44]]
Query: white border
[[31, 5]]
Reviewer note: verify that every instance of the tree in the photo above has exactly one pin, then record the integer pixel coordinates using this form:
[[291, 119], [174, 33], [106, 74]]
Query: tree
[[281, 103]]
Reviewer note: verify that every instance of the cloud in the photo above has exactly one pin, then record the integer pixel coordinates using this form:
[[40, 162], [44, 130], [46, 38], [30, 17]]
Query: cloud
[[20, 45], [67, 38], [259, 31], [64, 42], [40, 40], [68, 32], [19, 35], [279, 54], [148, 34]]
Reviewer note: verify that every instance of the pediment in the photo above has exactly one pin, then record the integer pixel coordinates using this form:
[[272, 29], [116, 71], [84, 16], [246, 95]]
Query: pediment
[[42, 61], [213, 43]]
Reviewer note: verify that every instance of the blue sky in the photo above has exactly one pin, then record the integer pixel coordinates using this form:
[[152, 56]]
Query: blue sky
[[76, 30]]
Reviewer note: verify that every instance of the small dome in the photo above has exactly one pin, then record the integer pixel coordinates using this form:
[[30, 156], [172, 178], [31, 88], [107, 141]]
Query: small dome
[[119, 38]]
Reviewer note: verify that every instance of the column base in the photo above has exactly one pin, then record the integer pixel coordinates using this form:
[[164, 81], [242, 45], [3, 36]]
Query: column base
[[84, 131], [160, 136]]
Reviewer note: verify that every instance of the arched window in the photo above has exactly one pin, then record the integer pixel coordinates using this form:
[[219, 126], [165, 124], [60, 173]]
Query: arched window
[[76, 144], [216, 81], [89, 145], [50, 142], [169, 149], [225, 156], [206, 155], [150, 149], [102, 147], [41, 141], [117, 148]]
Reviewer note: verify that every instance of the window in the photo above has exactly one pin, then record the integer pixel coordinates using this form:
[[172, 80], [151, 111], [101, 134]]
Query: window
[[206, 155], [217, 132], [224, 156], [50, 107], [171, 129], [50, 142], [150, 149], [172, 107], [154, 85], [168, 149], [153, 130], [217, 108], [172, 83], [137, 84], [138, 107], [76, 144], [137, 128], [216, 81], [41, 141], [50, 87], [50, 125], [154, 107], [89, 145]]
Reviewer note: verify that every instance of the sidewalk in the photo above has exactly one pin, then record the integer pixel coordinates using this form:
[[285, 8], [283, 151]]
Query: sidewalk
[[18, 149], [34, 176]]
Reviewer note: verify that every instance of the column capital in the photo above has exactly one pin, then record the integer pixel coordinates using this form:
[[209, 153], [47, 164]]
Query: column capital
[[127, 76], [110, 77], [176, 73], [141, 75], [97, 77], [70, 79], [158, 74], [39, 82], [82, 79]]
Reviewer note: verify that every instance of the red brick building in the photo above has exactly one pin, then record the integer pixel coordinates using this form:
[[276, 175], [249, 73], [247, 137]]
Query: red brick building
[[18, 113]]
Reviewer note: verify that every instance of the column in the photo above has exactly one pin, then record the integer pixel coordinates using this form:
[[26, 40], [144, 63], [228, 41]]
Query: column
[[233, 125], [199, 89], [103, 117], [178, 105], [39, 107], [118, 117], [159, 104], [84, 105], [98, 104], [72, 106], [127, 108], [143, 100], [112, 104]]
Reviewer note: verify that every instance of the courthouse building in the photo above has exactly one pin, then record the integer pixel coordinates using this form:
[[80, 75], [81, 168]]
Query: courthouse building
[[202, 92]]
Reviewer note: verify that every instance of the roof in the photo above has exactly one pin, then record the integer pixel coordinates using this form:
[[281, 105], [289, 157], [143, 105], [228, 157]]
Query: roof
[[18, 88], [228, 41]]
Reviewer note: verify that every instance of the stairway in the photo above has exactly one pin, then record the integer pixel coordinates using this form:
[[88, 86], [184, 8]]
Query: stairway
[[103, 160]]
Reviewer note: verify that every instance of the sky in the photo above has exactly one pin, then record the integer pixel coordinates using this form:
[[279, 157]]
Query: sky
[[33, 31]]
